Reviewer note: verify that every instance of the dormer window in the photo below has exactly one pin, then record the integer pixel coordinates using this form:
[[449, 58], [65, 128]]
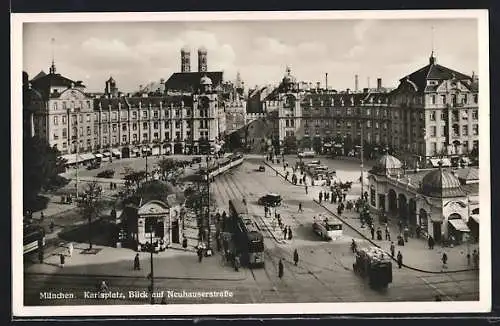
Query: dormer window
[[432, 82]]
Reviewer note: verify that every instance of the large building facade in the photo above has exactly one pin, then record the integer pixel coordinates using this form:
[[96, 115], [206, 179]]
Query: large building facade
[[188, 117], [433, 112]]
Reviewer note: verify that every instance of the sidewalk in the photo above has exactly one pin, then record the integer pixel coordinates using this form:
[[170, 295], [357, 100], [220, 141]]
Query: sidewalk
[[416, 254], [118, 262]]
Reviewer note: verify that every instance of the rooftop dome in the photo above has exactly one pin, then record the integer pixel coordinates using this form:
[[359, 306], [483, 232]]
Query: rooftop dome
[[441, 183], [289, 78], [202, 49], [205, 80], [387, 164]]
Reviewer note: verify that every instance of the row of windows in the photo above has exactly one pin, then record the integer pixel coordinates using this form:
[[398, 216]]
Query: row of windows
[[114, 128], [123, 115], [455, 115], [353, 111], [454, 99], [465, 146], [72, 105], [340, 123], [456, 132], [145, 137]]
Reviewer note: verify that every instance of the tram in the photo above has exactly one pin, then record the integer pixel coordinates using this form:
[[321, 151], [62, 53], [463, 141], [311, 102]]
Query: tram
[[249, 241], [33, 238], [223, 165]]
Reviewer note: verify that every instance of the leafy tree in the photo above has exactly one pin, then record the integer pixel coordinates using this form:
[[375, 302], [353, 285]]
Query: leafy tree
[[167, 165], [291, 144], [154, 190], [41, 165], [91, 204], [135, 177]]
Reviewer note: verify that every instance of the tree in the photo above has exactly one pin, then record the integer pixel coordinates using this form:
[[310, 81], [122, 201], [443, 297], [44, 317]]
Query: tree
[[154, 190], [41, 165], [91, 204], [167, 165], [290, 144]]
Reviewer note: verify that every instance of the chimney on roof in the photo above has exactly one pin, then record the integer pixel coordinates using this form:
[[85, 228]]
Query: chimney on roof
[[326, 80], [379, 84], [365, 90], [348, 91], [318, 84], [356, 83]]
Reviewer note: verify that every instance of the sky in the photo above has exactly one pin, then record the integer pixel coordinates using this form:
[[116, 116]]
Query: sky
[[137, 53]]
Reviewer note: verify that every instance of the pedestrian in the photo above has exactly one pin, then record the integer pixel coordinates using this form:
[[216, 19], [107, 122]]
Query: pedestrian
[[295, 257], [372, 231], [392, 248], [137, 263], [300, 208], [400, 225], [284, 232], [400, 259], [290, 233], [320, 196], [306, 189], [61, 260], [418, 230], [51, 226], [70, 249], [430, 242], [468, 259], [387, 235], [331, 198], [280, 269], [475, 258], [344, 195], [406, 233], [200, 254], [444, 259], [41, 216], [379, 234]]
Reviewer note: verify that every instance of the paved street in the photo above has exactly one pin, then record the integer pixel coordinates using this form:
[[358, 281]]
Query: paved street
[[324, 272]]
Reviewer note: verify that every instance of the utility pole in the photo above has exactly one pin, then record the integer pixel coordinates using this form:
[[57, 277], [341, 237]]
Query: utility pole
[[152, 269], [362, 165], [77, 155]]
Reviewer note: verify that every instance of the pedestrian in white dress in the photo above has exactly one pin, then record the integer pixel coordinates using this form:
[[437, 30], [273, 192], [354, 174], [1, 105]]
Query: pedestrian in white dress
[[70, 249]]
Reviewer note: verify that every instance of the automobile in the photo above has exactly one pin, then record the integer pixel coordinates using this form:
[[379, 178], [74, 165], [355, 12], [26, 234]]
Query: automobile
[[262, 168], [327, 229], [270, 199], [94, 165], [305, 154], [196, 159], [106, 174]]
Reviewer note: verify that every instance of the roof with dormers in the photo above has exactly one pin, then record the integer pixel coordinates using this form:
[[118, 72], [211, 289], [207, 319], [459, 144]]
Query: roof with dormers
[[190, 81], [441, 183], [43, 83], [346, 99], [434, 71], [134, 102]]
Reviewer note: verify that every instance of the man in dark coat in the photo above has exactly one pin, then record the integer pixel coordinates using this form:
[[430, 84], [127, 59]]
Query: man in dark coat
[[430, 242], [400, 259], [280, 269], [392, 249], [61, 260], [290, 236], [295, 257], [372, 231], [137, 264]]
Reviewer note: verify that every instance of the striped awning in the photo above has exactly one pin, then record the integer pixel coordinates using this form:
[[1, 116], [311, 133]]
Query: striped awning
[[459, 225], [435, 161], [475, 217], [99, 155], [116, 152], [107, 154]]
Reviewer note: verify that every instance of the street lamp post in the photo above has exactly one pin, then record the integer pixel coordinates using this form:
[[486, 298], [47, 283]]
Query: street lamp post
[[362, 165], [151, 266]]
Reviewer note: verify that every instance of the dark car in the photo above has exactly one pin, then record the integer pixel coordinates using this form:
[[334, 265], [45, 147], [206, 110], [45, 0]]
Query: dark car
[[106, 174], [196, 159], [262, 168], [271, 199]]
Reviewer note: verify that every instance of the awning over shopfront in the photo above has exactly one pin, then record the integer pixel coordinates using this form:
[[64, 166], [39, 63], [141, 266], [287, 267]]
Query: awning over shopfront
[[116, 152], [475, 218], [327, 144], [107, 154], [135, 150], [338, 145], [459, 225], [77, 158], [98, 155], [435, 162]]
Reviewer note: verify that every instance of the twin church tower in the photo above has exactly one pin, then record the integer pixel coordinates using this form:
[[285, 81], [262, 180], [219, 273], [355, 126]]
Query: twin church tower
[[186, 59]]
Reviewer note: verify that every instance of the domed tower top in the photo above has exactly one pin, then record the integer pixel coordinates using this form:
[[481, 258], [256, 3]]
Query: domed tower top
[[387, 165], [441, 183], [205, 84], [202, 59], [185, 59], [185, 49], [202, 49]]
